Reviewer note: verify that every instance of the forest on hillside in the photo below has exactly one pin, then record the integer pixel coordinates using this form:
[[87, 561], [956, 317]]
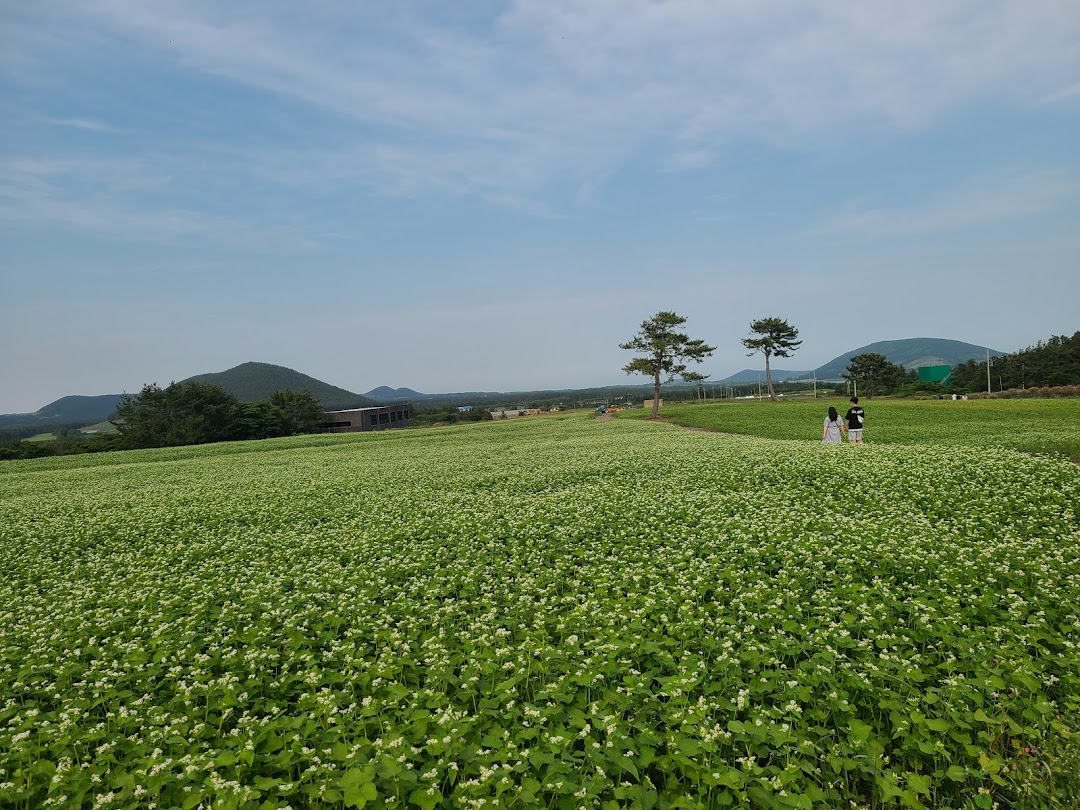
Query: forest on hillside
[[1049, 363]]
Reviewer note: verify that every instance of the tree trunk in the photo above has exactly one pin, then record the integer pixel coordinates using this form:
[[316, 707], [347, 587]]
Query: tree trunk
[[768, 378], [656, 396]]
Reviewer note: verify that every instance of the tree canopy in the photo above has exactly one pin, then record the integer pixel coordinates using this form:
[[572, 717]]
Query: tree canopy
[[871, 373], [666, 352], [775, 337], [1051, 362], [193, 412], [303, 413], [182, 413]]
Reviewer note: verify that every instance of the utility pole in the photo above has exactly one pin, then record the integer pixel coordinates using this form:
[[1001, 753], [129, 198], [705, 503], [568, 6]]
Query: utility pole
[[989, 390]]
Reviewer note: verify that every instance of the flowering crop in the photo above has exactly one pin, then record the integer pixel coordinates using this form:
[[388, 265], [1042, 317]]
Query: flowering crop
[[558, 612], [1047, 426]]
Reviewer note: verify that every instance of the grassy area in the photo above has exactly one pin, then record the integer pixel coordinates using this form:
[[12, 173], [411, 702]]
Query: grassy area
[[542, 613], [1040, 426], [101, 427], [41, 437]]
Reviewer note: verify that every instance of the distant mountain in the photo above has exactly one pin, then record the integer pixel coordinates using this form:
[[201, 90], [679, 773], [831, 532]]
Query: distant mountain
[[385, 393], [252, 382], [910, 353], [65, 411], [77, 408], [750, 375], [516, 399]]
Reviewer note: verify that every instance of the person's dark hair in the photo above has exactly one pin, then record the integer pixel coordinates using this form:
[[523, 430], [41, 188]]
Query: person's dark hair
[[854, 400], [833, 415]]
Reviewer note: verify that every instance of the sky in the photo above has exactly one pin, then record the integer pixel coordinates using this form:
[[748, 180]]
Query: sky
[[494, 195]]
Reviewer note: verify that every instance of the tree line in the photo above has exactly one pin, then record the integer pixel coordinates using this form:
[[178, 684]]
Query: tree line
[[186, 413], [447, 415], [199, 413], [1049, 363], [666, 351]]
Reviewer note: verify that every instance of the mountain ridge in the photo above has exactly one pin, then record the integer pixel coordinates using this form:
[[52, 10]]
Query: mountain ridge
[[911, 353], [248, 382], [253, 381], [384, 393]]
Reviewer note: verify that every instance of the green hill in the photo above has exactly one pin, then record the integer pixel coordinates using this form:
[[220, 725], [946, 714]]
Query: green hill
[[252, 382], [78, 408], [385, 393], [910, 353], [64, 412], [752, 375]]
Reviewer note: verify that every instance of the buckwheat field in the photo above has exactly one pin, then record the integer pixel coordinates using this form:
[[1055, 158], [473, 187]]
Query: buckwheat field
[[557, 612]]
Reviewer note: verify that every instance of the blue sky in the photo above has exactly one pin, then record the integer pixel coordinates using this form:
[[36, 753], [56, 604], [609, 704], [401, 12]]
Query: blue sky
[[494, 195]]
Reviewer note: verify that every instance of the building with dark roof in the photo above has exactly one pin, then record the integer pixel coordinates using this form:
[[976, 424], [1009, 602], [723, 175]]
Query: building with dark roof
[[354, 420]]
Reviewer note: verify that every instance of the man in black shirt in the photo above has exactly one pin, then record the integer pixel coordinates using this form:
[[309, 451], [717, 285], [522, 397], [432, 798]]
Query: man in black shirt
[[854, 418]]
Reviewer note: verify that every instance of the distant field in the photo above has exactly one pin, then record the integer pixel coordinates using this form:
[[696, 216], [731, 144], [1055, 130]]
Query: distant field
[[101, 427], [1045, 426], [41, 437], [560, 612]]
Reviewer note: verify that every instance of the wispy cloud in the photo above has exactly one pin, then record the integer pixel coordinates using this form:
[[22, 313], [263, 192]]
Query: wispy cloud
[[1070, 92], [126, 199], [979, 203], [83, 124], [550, 90]]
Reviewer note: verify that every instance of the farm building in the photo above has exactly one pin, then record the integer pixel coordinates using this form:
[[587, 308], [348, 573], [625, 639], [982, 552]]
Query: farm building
[[380, 417], [939, 374]]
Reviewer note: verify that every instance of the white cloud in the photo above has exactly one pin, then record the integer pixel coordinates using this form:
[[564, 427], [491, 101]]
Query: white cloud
[[1065, 93], [982, 202], [124, 198], [551, 89], [83, 124]]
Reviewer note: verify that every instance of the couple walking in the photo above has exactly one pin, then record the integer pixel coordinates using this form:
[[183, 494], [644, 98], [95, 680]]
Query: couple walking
[[834, 427]]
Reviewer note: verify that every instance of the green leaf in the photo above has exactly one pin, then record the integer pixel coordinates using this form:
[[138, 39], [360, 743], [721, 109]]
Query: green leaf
[[909, 799], [689, 746], [425, 800], [45, 767], [225, 759], [860, 730], [889, 786], [730, 778], [956, 773], [358, 787], [919, 783], [124, 780], [359, 796]]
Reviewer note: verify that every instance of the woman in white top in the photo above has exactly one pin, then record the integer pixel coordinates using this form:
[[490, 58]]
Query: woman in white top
[[833, 426]]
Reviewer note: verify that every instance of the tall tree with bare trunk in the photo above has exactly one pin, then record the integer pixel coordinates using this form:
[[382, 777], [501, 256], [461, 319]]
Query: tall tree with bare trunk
[[666, 352], [775, 338]]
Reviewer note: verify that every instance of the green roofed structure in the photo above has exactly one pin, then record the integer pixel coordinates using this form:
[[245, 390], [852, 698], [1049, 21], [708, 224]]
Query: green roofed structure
[[938, 374]]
